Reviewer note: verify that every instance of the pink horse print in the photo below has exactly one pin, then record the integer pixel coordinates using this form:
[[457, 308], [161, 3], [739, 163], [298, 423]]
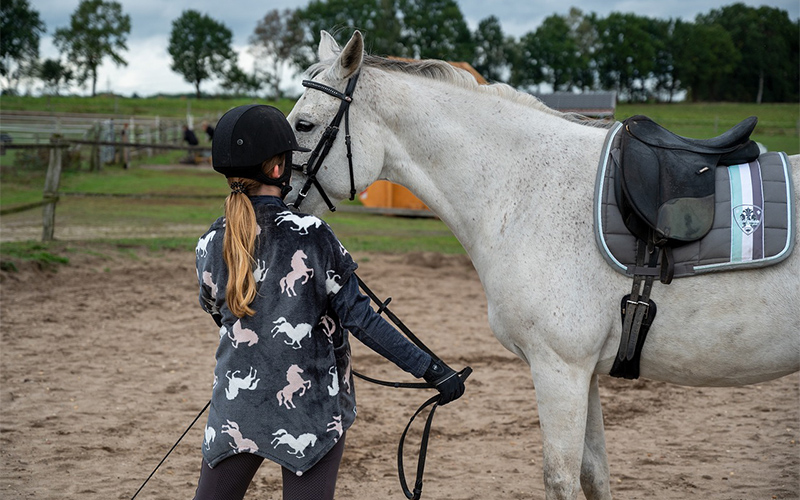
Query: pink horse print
[[299, 270], [242, 335], [295, 383], [240, 444]]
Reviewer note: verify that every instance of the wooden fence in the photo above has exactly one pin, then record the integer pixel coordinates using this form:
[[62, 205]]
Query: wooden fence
[[50, 195]]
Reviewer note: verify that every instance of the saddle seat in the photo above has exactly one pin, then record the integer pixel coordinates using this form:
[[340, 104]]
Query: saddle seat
[[665, 186]]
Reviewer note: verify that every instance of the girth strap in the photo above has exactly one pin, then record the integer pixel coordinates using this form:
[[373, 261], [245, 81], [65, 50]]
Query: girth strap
[[638, 312]]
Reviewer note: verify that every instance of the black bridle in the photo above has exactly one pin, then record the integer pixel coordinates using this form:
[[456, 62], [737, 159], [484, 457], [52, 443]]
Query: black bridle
[[320, 152]]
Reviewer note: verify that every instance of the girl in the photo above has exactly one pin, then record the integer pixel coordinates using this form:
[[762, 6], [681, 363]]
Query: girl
[[281, 288]]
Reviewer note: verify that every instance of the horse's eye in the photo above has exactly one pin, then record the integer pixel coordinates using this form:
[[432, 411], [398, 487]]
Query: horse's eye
[[304, 126]]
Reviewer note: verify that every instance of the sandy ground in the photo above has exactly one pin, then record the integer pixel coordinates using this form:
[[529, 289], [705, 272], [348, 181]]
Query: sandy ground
[[94, 364]]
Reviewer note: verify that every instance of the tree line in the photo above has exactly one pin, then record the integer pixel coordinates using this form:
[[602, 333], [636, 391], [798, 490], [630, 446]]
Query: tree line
[[733, 53]]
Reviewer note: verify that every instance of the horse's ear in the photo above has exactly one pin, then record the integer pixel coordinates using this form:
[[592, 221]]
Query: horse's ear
[[349, 60], [328, 48]]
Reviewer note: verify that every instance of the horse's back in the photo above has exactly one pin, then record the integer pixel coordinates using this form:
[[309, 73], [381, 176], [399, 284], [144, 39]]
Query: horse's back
[[729, 328]]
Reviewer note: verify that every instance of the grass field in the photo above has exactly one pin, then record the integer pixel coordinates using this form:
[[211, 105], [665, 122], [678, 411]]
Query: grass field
[[200, 192]]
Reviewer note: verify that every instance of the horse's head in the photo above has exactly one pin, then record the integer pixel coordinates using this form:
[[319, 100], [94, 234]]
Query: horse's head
[[315, 111]]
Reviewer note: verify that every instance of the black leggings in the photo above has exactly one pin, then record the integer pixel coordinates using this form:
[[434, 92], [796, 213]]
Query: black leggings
[[230, 478]]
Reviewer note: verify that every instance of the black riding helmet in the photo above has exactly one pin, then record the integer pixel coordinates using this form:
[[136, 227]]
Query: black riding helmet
[[248, 135]]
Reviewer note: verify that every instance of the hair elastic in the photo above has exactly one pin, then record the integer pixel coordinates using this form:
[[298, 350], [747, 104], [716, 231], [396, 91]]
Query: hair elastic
[[237, 187]]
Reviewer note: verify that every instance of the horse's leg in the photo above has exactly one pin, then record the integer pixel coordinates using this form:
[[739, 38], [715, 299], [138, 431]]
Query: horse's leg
[[594, 468], [562, 393]]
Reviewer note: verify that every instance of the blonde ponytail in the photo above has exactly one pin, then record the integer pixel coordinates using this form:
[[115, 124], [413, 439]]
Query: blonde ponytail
[[238, 246], [239, 243]]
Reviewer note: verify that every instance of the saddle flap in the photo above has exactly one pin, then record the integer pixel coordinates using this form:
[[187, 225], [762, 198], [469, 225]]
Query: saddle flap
[[670, 190]]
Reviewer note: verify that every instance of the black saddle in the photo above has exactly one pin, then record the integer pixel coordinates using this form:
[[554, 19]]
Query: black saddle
[[665, 193], [665, 188]]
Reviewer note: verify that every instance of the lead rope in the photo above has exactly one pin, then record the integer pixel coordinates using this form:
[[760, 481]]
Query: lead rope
[[434, 400], [170, 450]]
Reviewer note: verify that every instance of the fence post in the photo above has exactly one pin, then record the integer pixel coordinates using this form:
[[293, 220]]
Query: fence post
[[94, 153], [51, 184]]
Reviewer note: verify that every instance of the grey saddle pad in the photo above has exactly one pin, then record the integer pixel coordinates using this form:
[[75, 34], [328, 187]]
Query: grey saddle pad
[[753, 217]]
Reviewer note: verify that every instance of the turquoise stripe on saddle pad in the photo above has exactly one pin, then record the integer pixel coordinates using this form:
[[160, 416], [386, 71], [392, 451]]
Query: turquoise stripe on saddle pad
[[753, 218]]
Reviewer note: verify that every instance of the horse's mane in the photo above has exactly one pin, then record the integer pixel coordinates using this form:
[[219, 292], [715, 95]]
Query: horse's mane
[[446, 72]]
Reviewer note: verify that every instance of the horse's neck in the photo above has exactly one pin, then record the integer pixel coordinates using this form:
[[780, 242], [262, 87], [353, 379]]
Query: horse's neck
[[473, 158]]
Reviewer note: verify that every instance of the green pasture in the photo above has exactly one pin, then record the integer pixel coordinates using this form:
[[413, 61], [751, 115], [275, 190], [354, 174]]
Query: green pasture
[[132, 106], [162, 198]]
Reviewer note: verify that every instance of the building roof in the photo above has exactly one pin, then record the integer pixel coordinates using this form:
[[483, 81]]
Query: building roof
[[587, 103]]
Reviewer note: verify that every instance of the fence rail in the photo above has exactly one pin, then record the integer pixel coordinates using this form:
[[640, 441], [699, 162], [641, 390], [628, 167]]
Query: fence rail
[[57, 146]]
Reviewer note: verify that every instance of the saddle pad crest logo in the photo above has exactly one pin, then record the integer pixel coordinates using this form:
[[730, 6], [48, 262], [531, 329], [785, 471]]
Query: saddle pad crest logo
[[747, 217]]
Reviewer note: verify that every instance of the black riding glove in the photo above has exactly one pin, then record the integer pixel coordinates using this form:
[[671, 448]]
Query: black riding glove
[[446, 381]]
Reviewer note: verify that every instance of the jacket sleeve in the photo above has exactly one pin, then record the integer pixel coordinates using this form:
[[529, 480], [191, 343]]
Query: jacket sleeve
[[356, 315]]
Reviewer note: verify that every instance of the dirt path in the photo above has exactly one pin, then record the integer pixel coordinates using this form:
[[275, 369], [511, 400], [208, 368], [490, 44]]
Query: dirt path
[[105, 363]]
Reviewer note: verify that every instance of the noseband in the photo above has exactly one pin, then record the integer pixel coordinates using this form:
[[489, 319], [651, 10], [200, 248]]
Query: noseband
[[320, 152]]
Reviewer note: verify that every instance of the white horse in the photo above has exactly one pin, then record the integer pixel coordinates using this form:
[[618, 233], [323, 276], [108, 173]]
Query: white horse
[[514, 181]]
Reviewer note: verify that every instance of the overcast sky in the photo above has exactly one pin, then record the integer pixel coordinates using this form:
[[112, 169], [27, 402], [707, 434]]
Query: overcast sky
[[148, 70]]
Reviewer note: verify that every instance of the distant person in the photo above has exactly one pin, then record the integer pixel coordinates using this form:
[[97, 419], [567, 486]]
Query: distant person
[[191, 139], [124, 137], [188, 136], [209, 131]]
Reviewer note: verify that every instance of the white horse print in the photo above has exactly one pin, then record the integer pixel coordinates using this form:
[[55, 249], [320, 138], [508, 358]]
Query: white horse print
[[242, 335], [295, 333], [202, 244], [210, 436], [299, 271], [332, 285], [248, 383], [295, 383], [333, 389], [301, 223], [240, 444], [297, 444], [528, 227], [260, 272]]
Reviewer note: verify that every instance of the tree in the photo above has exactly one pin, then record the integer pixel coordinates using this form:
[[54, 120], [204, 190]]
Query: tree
[[435, 29], [557, 52], [492, 49], [200, 48], [767, 40], [237, 82], [273, 42], [527, 69], [97, 29], [54, 75], [583, 30], [626, 54], [704, 58], [378, 20], [21, 29]]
